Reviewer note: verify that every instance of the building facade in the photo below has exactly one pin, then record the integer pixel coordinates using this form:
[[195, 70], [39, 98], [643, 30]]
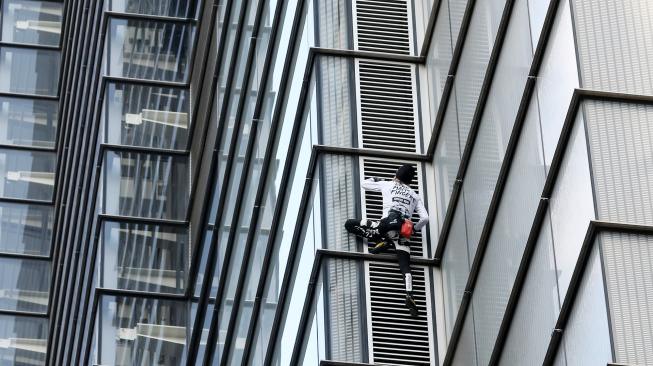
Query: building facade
[[189, 165]]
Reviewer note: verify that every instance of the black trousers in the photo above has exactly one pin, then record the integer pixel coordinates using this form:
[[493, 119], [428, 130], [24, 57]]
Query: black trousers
[[386, 229]]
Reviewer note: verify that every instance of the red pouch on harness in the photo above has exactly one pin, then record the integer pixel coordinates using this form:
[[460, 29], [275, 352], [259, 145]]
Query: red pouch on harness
[[406, 229]]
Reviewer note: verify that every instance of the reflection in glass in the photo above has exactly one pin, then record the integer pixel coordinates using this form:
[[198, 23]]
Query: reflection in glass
[[144, 257], [29, 71], [147, 116], [25, 229], [170, 8], [32, 22], [24, 284], [137, 331], [23, 340], [26, 174], [28, 122], [148, 50], [145, 185]]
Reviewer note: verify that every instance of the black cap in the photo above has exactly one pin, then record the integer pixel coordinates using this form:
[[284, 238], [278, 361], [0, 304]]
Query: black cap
[[405, 174]]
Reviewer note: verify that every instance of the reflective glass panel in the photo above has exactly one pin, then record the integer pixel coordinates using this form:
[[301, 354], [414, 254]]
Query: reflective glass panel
[[28, 122], [29, 71], [148, 50], [27, 174], [145, 185], [25, 229], [24, 284], [24, 340], [170, 8], [33, 22], [138, 331], [144, 257], [138, 115]]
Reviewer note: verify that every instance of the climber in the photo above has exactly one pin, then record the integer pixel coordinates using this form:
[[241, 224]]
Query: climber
[[395, 227]]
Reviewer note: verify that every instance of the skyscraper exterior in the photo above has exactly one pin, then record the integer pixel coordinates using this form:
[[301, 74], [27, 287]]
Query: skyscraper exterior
[[175, 176]]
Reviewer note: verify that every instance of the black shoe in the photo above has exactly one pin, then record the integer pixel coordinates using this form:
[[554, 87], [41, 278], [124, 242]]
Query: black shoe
[[412, 305], [380, 247]]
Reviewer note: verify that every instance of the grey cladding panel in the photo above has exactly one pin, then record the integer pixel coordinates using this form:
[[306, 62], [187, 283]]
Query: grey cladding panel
[[614, 44], [628, 261], [621, 145]]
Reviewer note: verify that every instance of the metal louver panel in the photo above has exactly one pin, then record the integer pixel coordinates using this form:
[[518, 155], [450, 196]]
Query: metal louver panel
[[383, 26], [395, 337], [387, 105]]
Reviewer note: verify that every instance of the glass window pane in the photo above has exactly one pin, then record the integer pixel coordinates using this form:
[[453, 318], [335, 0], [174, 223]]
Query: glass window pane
[[145, 185], [170, 8], [28, 122], [27, 174], [25, 229], [144, 257], [24, 284], [137, 331], [138, 115], [29, 71], [148, 50], [33, 22], [26, 340]]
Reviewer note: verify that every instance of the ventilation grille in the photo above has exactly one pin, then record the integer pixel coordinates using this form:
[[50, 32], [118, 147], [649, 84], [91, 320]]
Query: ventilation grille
[[383, 26], [396, 337], [387, 111]]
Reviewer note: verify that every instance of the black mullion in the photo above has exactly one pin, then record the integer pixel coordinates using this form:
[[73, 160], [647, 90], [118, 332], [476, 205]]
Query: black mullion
[[430, 28], [453, 68], [93, 79], [292, 258], [196, 249], [213, 252], [61, 194], [285, 178], [267, 66], [72, 175]]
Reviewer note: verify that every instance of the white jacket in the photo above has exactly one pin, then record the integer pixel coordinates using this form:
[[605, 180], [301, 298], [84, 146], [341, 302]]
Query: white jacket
[[399, 197]]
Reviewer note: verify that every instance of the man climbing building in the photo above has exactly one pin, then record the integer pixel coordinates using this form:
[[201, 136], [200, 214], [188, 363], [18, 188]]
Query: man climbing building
[[395, 228]]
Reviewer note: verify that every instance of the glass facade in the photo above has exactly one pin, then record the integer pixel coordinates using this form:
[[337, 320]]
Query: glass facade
[[30, 62], [175, 176]]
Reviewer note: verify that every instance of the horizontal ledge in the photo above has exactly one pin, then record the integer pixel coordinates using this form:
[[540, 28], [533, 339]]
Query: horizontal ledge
[[102, 291], [359, 256], [29, 46], [27, 314], [141, 220], [26, 201], [381, 56], [366, 152], [25, 256], [142, 149], [145, 82], [29, 96], [28, 148], [149, 17]]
